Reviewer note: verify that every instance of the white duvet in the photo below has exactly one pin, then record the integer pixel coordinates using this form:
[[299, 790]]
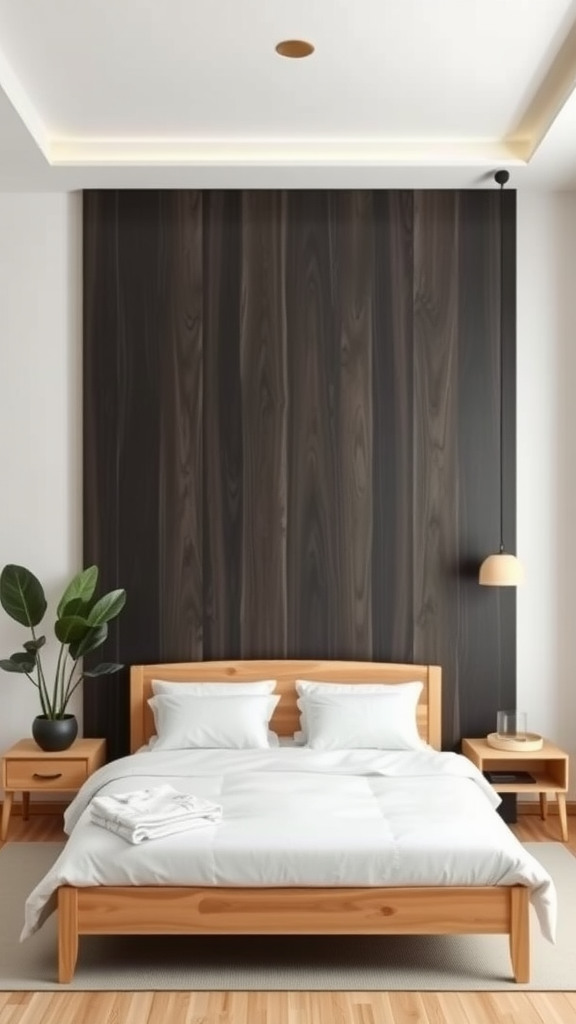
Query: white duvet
[[295, 816]]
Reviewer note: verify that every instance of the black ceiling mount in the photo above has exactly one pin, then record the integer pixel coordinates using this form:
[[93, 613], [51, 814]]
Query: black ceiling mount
[[501, 177]]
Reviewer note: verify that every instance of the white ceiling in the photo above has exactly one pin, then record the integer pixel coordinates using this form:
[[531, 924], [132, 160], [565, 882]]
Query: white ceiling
[[191, 93]]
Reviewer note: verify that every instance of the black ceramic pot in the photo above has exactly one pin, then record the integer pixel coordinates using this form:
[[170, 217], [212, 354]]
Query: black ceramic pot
[[55, 733]]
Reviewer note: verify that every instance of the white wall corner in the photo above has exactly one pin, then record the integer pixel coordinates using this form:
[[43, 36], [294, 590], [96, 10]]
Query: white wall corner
[[40, 415], [546, 481]]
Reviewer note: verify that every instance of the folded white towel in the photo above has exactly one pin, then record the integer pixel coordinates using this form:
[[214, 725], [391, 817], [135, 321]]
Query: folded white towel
[[141, 833], [159, 805]]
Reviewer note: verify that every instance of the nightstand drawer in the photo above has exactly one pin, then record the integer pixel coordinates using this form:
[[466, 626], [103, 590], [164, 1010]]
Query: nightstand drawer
[[28, 769], [45, 774]]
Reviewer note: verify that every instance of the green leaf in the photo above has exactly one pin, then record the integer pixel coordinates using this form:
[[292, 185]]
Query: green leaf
[[34, 645], [105, 669], [94, 638], [16, 663], [108, 607], [81, 588], [24, 658], [75, 607], [70, 629], [21, 595]]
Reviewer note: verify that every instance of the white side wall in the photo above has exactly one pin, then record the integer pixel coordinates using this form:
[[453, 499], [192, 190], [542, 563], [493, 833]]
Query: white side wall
[[40, 415], [546, 480], [40, 435]]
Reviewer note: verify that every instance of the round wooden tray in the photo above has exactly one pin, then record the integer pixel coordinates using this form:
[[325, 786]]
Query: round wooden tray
[[532, 742]]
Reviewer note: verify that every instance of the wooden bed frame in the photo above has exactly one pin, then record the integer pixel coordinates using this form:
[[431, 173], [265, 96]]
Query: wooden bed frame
[[159, 910]]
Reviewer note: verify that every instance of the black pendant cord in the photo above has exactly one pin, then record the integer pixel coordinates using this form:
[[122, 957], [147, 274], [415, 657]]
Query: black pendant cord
[[501, 177]]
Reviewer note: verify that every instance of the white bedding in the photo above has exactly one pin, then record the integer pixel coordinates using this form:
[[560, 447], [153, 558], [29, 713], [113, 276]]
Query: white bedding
[[295, 816]]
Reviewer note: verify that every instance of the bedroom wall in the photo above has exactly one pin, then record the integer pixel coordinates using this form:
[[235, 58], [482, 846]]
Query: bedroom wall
[[545, 356], [291, 432], [546, 496], [40, 413]]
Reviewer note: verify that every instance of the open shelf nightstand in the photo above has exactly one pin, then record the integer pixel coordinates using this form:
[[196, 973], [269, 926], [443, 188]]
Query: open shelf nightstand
[[549, 766]]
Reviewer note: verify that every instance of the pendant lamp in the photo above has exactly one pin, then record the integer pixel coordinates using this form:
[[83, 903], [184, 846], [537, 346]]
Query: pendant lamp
[[501, 569]]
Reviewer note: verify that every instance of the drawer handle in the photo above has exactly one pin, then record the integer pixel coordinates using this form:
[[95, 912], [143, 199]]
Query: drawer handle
[[39, 775]]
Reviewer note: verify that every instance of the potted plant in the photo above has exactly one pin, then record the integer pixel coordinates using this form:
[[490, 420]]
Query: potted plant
[[81, 626]]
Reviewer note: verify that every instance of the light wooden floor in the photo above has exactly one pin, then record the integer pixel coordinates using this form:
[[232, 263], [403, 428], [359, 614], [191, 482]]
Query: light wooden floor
[[287, 1007]]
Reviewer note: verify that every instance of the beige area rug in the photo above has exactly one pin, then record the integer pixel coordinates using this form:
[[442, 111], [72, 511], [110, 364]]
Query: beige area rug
[[346, 963]]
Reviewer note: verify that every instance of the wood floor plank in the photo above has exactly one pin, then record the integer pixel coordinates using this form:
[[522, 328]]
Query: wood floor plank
[[10, 1013], [291, 1008], [65, 1008], [408, 1008], [365, 1013], [476, 1010], [444, 1008], [134, 1007], [571, 1000], [339, 1008], [173, 1007], [513, 1008], [554, 1007]]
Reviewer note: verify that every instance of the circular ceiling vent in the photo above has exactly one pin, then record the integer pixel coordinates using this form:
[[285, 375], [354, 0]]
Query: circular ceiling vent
[[294, 48]]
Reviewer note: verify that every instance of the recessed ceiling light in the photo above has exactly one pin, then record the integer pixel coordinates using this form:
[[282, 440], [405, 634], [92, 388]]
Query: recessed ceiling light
[[294, 48]]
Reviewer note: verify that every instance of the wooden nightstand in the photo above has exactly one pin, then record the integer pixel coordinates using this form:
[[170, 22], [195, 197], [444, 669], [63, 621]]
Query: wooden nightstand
[[27, 768], [549, 766]]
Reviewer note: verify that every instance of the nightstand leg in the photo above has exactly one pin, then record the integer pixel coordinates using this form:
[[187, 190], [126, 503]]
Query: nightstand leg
[[543, 806], [6, 809], [25, 806], [561, 797]]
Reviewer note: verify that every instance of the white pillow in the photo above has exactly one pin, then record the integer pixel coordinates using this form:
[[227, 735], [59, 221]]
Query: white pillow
[[162, 686], [239, 721], [307, 687], [352, 721]]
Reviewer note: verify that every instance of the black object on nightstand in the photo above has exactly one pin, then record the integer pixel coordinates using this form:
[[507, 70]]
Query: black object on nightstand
[[509, 776]]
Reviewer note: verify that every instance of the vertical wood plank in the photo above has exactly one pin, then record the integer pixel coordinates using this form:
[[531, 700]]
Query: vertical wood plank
[[264, 408], [139, 343], [352, 216], [314, 396], [180, 427], [105, 708], [124, 410], [222, 425], [487, 650], [393, 432], [435, 515], [478, 459], [100, 410], [100, 228]]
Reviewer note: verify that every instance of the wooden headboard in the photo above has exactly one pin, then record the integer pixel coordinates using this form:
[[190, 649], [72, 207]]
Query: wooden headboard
[[285, 720]]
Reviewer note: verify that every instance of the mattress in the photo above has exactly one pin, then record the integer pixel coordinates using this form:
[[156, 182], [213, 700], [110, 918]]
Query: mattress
[[293, 816]]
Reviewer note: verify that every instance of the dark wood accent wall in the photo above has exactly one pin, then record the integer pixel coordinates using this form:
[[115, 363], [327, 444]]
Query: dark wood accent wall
[[291, 431]]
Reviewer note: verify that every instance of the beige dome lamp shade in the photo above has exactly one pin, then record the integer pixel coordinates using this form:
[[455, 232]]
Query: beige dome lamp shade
[[501, 569]]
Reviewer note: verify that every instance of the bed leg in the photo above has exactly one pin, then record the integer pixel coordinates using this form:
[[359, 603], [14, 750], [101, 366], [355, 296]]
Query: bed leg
[[520, 933], [67, 933]]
